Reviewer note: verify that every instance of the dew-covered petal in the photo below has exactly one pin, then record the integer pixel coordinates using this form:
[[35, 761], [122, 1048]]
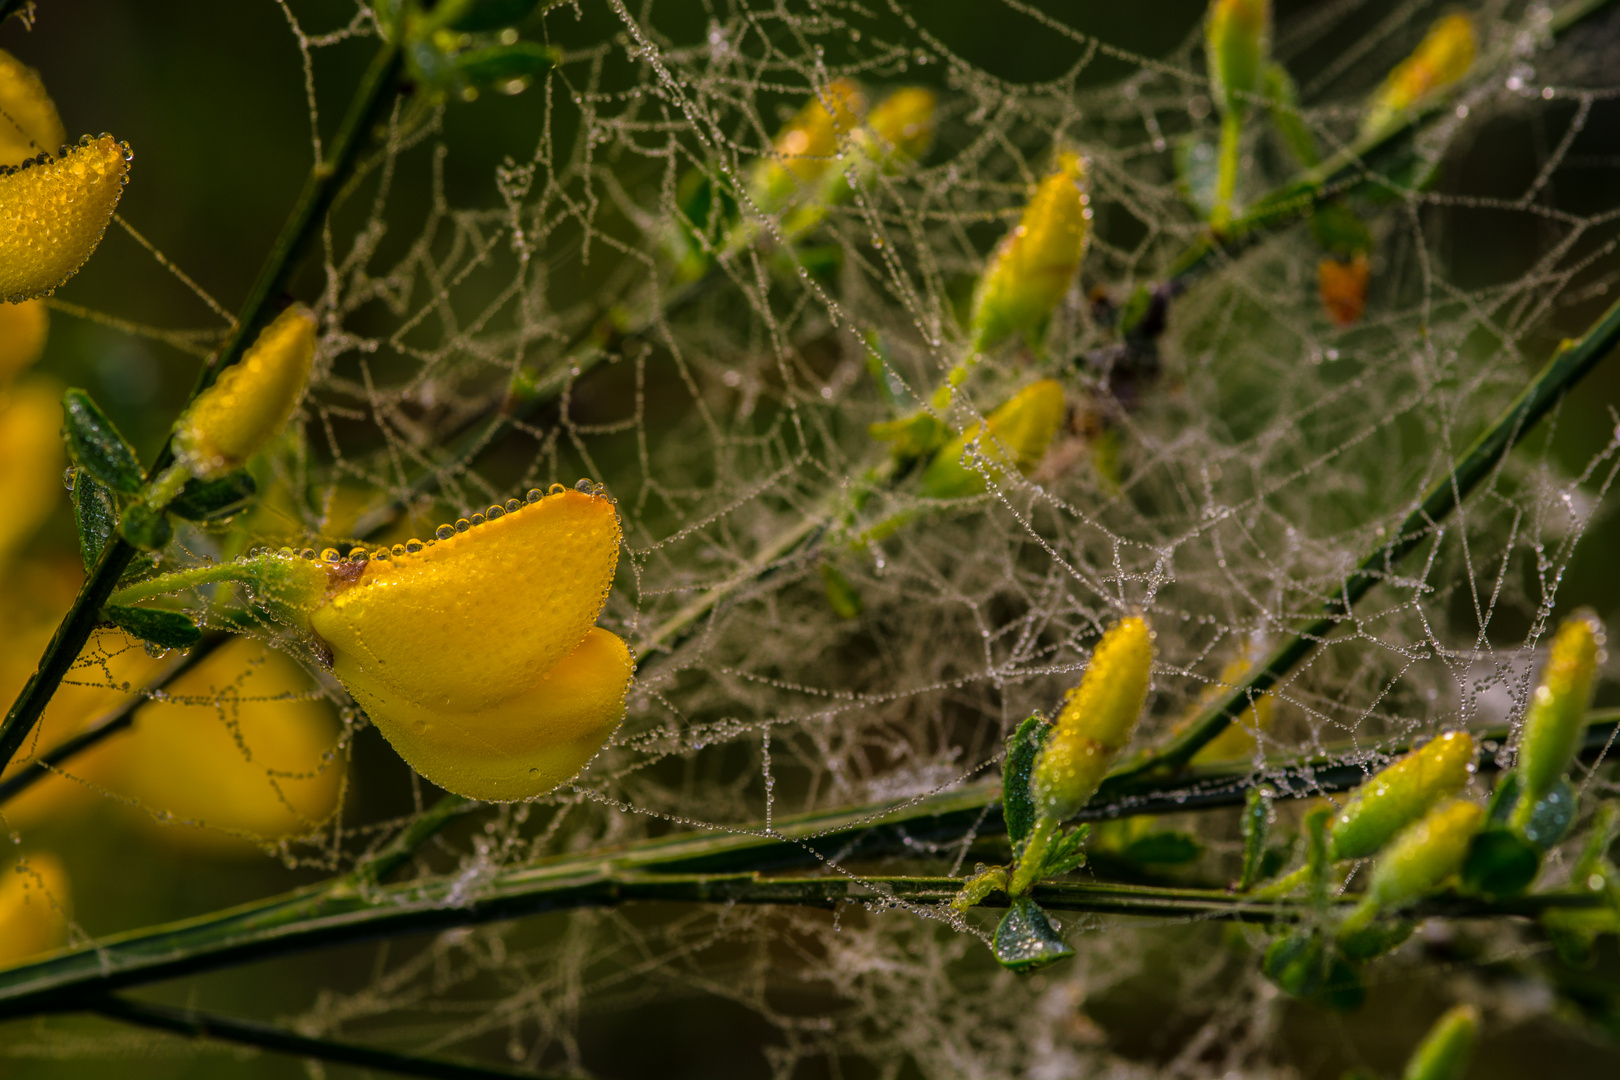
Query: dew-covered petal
[[52, 215], [29, 124]]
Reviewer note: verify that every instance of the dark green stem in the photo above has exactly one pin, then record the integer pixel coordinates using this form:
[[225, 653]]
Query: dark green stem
[[1570, 362], [375, 93], [202, 1025]]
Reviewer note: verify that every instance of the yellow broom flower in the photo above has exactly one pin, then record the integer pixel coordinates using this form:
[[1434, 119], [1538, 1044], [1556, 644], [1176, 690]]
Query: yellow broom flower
[[22, 336], [53, 214], [1440, 60], [28, 121]]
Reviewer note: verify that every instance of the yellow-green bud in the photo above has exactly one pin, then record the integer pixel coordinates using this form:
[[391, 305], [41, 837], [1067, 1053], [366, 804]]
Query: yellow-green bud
[[1236, 41], [252, 401], [1442, 58], [1032, 267], [903, 124], [1021, 429], [1444, 1052], [1552, 726], [1096, 722], [1425, 854], [807, 145], [1400, 794]]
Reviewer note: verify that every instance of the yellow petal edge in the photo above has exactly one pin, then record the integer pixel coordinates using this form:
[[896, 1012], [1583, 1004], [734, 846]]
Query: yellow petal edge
[[476, 656], [29, 124], [53, 214]]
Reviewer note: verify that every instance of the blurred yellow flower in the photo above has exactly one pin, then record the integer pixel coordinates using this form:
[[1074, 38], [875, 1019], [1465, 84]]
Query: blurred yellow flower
[[807, 145], [28, 120], [35, 907], [22, 336], [1021, 429], [1440, 60], [31, 461]]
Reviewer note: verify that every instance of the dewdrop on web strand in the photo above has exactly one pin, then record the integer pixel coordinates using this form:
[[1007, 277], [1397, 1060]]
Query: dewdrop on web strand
[[53, 212], [474, 652]]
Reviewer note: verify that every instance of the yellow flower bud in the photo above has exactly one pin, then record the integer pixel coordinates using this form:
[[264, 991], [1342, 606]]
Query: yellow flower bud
[[52, 215], [1237, 741], [1400, 793], [252, 401], [1021, 429], [31, 461], [1423, 856], [808, 145], [1444, 1052], [34, 907], [1236, 40], [28, 121], [1097, 721], [1031, 269], [476, 657], [902, 124], [22, 336], [1442, 58], [1553, 724]]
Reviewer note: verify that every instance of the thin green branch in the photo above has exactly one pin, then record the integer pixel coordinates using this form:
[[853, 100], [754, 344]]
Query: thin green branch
[[375, 93], [722, 867], [1570, 362], [202, 1025]]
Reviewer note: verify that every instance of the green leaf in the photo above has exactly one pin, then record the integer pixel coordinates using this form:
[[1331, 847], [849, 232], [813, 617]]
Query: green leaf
[[1500, 863], [144, 527], [1375, 940], [476, 16], [96, 515], [1256, 828], [503, 63], [211, 500], [1066, 854], [1306, 966], [1549, 821], [95, 443], [1026, 938], [1340, 230], [170, 629], [1017, 805], [912, 437], [1296, 134]]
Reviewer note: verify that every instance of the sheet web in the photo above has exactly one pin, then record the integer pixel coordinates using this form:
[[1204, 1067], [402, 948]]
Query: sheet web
[[1222, 483]]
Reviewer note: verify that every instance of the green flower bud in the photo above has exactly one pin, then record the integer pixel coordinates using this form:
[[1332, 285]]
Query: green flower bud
[[1424, 855], [1031, 268], [1443, 57], [1444, 1052], [1236, 41], [252, 401], [1552, 726], [1019, 431], [1400, 793], [1096, 722]]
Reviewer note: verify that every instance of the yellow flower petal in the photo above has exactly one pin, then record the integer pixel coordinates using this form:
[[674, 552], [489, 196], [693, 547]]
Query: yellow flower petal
[[34, 907], [450, 649], [516, 748], [253, 399], [52, 216], [28, 121], [22, 336]]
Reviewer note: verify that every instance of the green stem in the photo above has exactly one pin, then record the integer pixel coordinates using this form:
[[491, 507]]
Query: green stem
[[201, 1025], [173, 582], [1570, 362], [375, 92]]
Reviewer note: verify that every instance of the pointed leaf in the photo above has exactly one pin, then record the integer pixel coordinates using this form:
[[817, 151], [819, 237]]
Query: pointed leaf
[[170, 629], [210, 500], [1067, 853], [96, 515], [1256, 829], [1026, 938], [1500, 863], [144, 527], [96, 444], [1017, 805], [1198, 174], [503, 63]]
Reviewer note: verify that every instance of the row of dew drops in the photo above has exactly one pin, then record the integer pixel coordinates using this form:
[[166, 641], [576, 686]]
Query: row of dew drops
[[443, 532]]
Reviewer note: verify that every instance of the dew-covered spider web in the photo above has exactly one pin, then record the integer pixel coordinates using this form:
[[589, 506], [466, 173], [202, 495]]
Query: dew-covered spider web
[[605, 299]]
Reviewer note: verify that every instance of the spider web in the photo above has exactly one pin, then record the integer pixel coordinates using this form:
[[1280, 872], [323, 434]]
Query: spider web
[[1222, 484]]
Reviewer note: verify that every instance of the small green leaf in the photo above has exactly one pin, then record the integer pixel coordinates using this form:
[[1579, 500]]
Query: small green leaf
[[1373, 941], [170, 629], [1256, 828], [1549, 821], [503, 63], [144, 527], [1500, 863], [1340, 230], [95, 443], [211, 500], [476, 16], [1284, 99], [1066, 854], [842, 597], [1017, 805], [1167, 848], [1026, 938], [1306, 966], [96, 514]]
